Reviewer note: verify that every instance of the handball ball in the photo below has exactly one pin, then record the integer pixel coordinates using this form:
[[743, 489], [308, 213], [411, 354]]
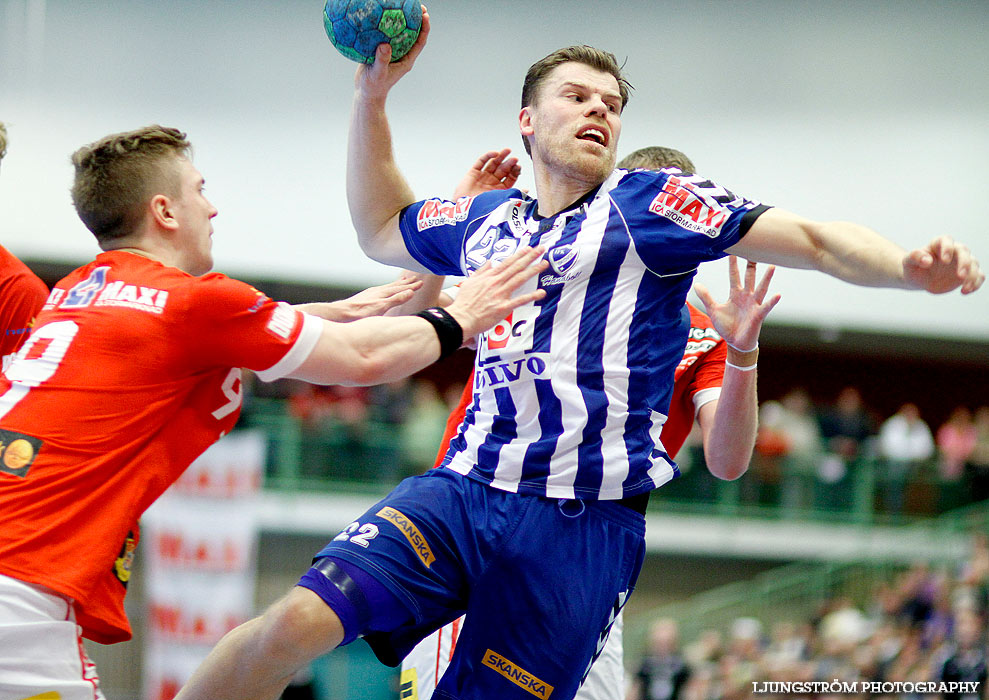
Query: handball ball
[[356, 27]]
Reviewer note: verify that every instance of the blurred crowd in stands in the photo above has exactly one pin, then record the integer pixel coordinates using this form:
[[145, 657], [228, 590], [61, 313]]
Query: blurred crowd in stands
[[809, 456], [812, 456], [925, 625]]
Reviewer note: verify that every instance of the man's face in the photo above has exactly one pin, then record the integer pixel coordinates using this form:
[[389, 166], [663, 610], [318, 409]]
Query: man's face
[[194, 214], [574, 122]]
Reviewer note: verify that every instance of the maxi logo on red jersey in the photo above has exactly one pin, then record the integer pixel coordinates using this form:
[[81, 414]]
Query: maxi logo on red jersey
[[696, 206]]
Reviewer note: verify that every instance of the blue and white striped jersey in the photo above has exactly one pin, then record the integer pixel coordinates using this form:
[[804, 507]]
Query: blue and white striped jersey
[[571, 392]]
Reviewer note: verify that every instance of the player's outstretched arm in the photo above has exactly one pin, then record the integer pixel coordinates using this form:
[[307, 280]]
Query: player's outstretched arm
[[374, 301], [378, 350], [859, 255], [494, 170], [729, 424], [376, 190]]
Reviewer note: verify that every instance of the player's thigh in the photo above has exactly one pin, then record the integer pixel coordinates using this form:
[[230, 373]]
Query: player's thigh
[[419, 543], [41, 649], [543, 609]]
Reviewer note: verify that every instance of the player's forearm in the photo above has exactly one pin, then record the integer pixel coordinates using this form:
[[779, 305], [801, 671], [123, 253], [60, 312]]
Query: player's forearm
[[429, 294], [859, 255], [238, 667], [376, 190], [329, 310], [848, 251], [371, 351], [729, 435]]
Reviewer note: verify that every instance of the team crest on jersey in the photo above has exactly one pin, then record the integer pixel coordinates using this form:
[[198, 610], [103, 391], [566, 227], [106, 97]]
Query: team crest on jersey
[[695, 206], [437, 212], [125, 561], [17, 452], [562, 260]]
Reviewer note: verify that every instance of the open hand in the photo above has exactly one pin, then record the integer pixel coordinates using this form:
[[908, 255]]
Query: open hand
[[494, 170], [485, 298], [739, 320], [374, 301]]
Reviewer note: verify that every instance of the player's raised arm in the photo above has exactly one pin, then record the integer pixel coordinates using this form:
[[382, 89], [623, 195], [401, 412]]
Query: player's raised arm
[[729, 424], [858, 254], [376, 190]]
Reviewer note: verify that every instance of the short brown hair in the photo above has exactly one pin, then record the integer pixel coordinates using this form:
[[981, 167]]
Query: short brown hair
[[118, 174], [589, 56], [3, 140], [657, 158]]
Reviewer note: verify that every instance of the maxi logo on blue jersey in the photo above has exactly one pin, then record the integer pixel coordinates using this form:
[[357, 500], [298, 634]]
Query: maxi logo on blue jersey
[[496, 374]]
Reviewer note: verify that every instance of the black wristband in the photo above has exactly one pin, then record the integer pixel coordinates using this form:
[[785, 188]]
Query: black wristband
[[449, 332]]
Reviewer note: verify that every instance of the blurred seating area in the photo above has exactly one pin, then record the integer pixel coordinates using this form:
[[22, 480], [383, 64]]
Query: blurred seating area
[[855, 623], [828, 460]]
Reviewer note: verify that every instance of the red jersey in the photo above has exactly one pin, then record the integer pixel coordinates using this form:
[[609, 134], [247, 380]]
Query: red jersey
[[696, 381], [131, 372], [21, 297]]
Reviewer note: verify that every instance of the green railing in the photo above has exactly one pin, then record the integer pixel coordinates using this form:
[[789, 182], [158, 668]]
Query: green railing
[[371, 460]]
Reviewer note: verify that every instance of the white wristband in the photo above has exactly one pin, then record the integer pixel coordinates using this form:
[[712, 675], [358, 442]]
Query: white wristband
[[754, 347], [741, 369]]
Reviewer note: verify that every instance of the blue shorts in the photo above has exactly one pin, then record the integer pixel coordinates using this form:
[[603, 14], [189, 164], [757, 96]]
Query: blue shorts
[[541, 580]]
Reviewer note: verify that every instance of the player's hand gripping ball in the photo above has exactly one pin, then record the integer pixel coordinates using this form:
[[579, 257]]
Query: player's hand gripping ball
[[356, 27]]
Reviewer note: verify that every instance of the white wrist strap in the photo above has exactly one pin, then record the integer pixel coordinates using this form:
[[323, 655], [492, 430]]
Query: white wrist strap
[[754, 347], [749, 368]]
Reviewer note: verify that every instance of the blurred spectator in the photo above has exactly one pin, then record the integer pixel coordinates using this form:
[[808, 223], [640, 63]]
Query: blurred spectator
[[846, 425], [840, 632], [797, 423], [916, 591], [325, 407], [310, 404], [922, 626], [905, 443], [955, 442], [846, 428], [974, 577], [663, 673], [423, 429], [977, 468], [389, 406], [334, 431], [966, 656], [742, 663], [762, 483]]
